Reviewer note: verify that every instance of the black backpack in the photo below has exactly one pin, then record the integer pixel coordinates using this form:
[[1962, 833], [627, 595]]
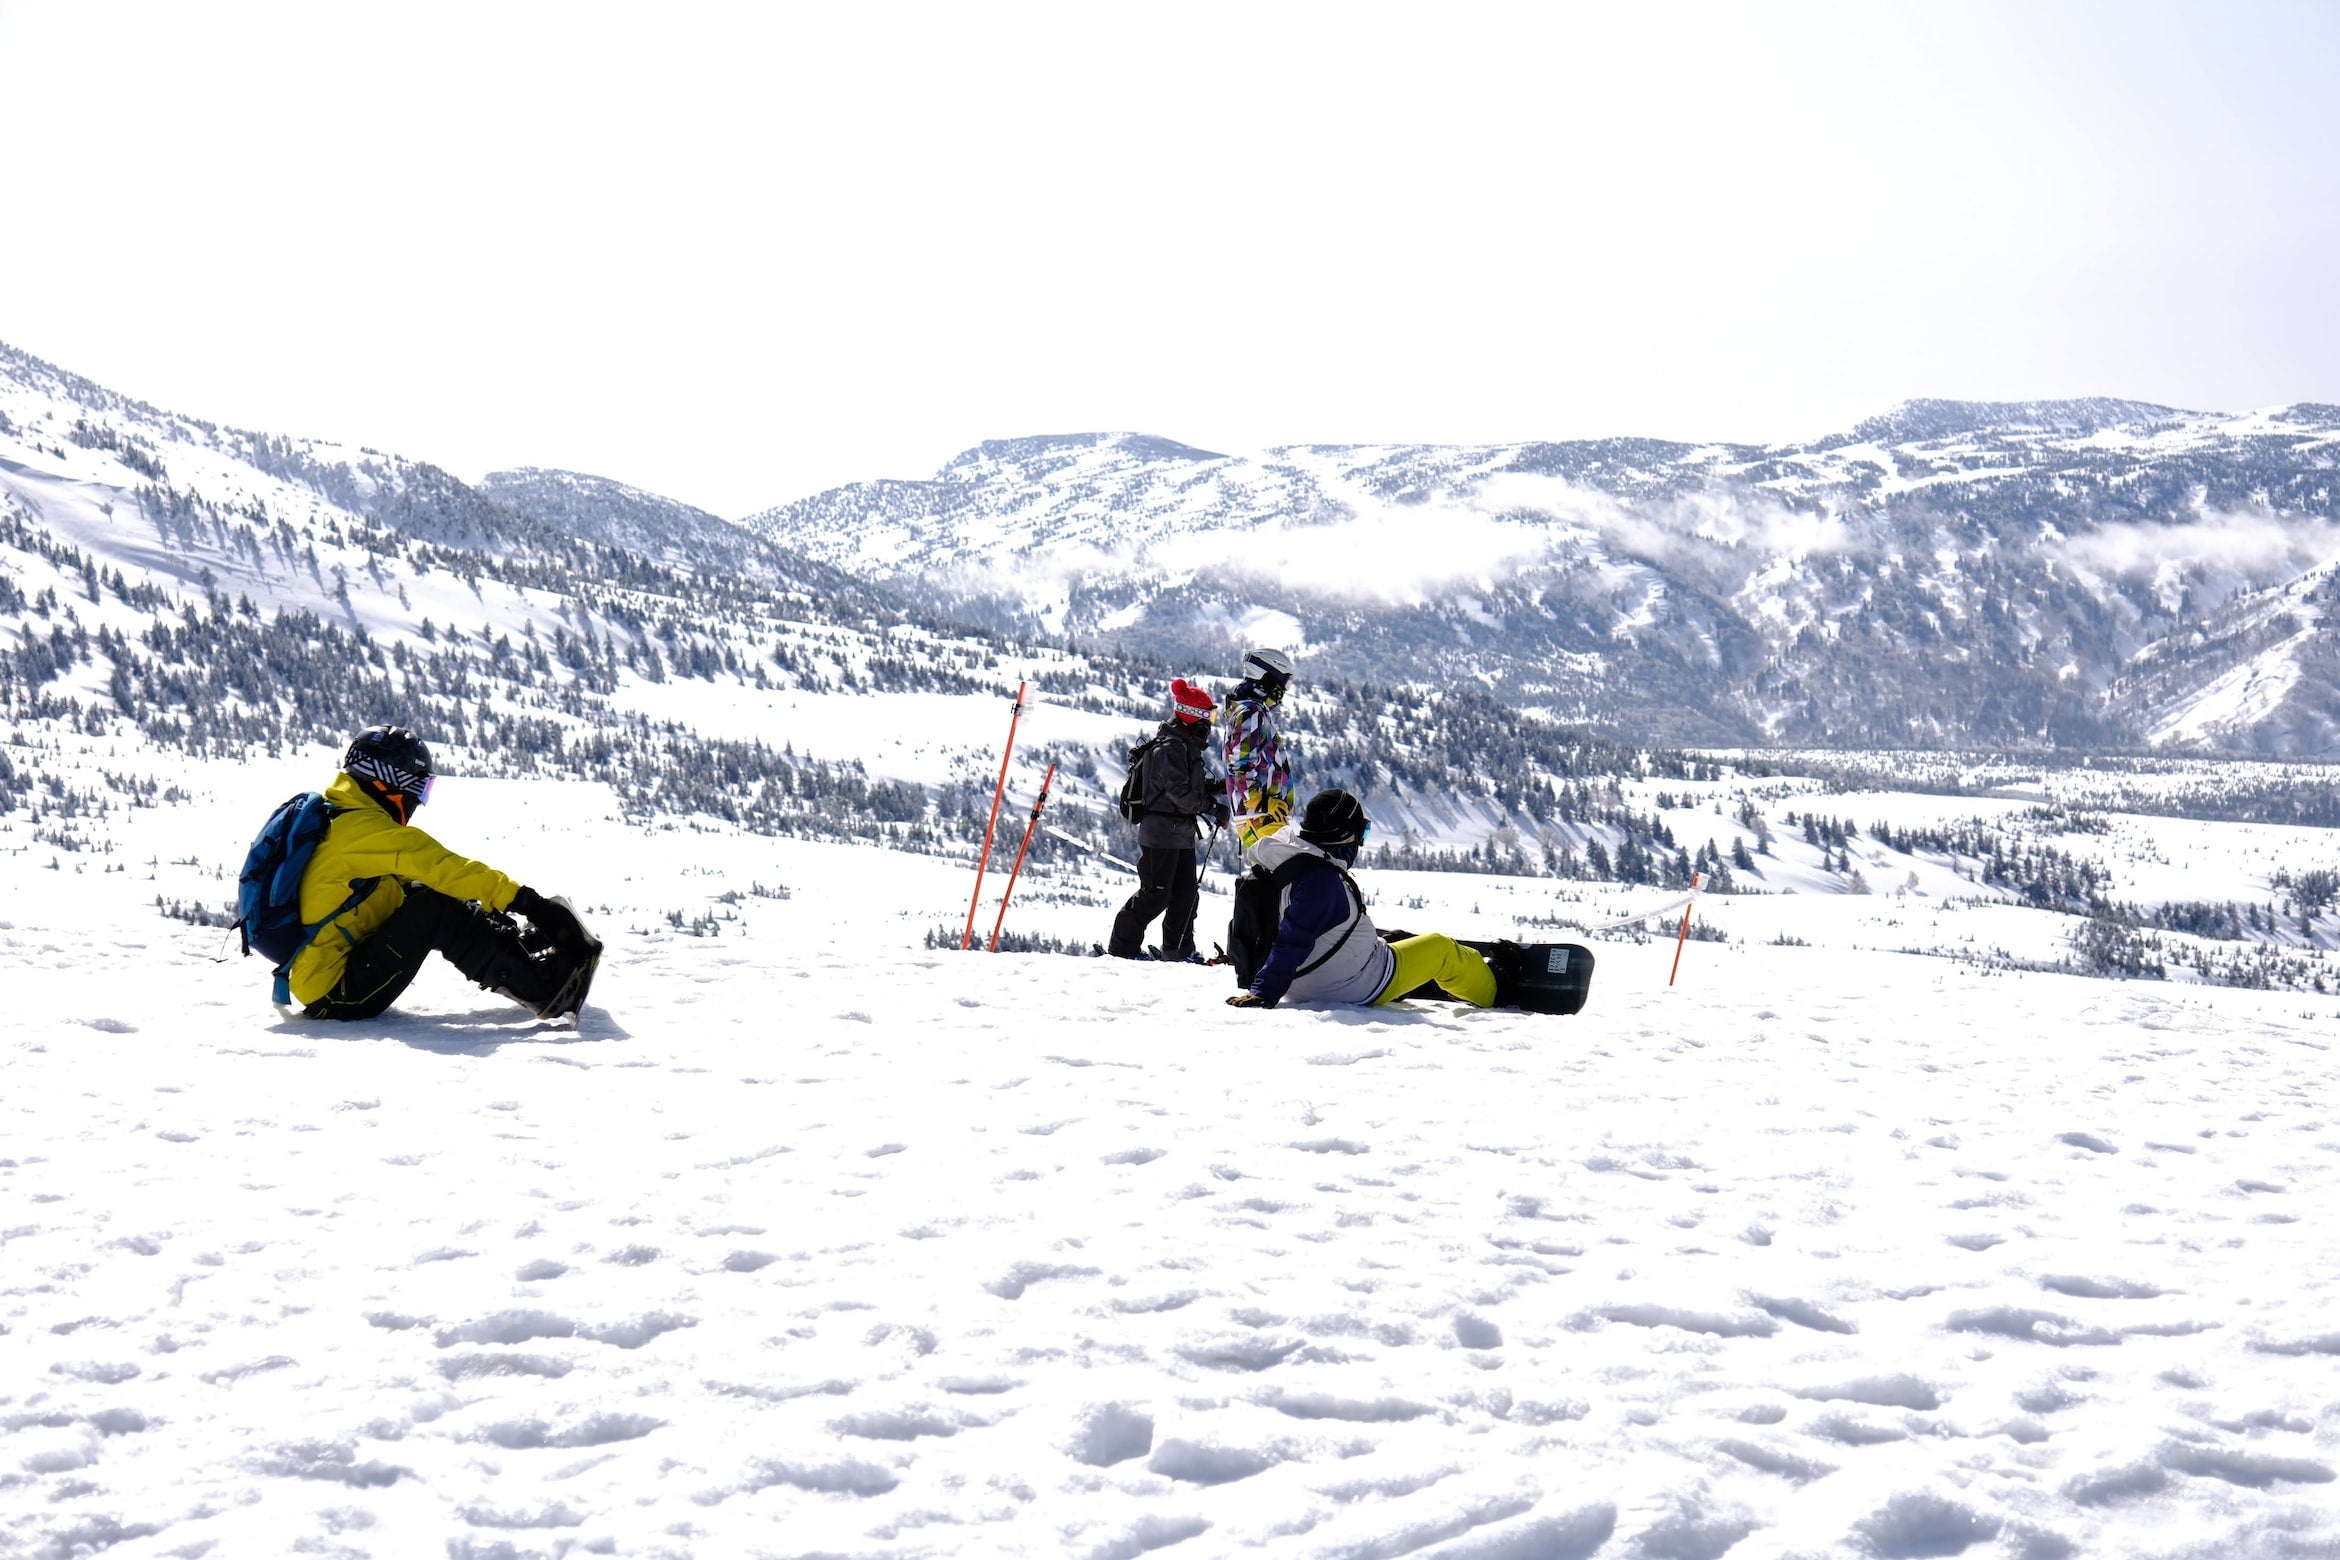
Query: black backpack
[[1133, 801]]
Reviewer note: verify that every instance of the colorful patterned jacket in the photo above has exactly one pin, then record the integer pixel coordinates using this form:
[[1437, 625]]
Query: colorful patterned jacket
[[1259, 766]]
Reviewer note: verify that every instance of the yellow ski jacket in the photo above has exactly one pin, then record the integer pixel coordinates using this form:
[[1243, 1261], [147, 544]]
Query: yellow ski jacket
[[368, 853]]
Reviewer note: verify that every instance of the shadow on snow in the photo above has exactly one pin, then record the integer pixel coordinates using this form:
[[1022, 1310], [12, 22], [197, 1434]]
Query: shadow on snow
[[479, 1032]]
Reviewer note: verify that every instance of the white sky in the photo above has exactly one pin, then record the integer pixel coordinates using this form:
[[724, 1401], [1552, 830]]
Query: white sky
[[740, 254]]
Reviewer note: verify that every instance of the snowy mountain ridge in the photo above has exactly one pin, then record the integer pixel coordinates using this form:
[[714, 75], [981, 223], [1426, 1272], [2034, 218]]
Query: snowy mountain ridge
[[220, 592], [1952, 573]]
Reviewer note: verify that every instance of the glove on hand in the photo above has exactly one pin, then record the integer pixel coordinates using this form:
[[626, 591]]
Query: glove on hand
[[1247, 999], [557, 919], [1219, 814]]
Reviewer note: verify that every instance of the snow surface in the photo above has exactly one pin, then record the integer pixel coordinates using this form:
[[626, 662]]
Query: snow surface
[[812, 1240]]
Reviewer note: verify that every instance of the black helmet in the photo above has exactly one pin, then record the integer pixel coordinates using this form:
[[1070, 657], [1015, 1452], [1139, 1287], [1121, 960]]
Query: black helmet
[[391, 762], [1334, 817]]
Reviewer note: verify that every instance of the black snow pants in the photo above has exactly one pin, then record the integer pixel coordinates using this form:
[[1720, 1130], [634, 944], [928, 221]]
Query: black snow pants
[[1166, 888], [485, 947]]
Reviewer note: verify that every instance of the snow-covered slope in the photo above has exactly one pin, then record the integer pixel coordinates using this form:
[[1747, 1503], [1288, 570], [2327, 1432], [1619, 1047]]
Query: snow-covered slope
[[810, 1240], [218, 591], [1947, 573], [596, 509]]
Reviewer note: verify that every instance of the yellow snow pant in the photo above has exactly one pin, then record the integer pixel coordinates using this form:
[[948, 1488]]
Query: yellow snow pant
[[1438, 958]]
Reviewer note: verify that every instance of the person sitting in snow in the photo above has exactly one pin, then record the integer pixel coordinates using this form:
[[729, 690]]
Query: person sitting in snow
[[1259, 770], [1325, 948], [1176, 787], [389, 896]]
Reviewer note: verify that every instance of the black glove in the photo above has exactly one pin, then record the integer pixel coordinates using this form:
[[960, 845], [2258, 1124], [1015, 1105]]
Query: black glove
[[1249, 999], [555, 919], [1219, 814]]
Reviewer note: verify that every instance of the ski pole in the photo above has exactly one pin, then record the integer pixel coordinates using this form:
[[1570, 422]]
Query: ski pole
[[967, 940], [1684, 935], [1046, 780]]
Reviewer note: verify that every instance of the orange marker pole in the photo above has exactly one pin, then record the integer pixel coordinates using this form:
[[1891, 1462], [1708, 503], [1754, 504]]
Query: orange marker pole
[[1030, 828], [967, 940], [1684, 935]]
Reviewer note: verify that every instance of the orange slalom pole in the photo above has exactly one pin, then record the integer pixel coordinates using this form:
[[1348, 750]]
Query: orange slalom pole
[[1046, 781], [1684, 935], [967, 940]]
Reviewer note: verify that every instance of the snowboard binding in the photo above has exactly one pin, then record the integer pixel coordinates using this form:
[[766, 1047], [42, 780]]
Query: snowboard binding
[[1539, 977], [575, 965], [569, 995]]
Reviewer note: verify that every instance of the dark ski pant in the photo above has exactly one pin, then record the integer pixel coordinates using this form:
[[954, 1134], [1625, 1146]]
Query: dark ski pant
[[485, 947], [1166, 888]]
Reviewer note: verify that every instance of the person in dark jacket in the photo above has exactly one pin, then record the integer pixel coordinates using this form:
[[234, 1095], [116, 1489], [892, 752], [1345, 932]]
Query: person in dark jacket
[[1178, 791], [1326, 950]]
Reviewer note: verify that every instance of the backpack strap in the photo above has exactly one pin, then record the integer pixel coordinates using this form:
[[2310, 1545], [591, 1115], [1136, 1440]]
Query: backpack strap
[[1300, 866], [359, 891]]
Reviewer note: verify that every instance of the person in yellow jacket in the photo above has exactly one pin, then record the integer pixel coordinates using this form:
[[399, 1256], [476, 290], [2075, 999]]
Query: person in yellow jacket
[[383, 896]]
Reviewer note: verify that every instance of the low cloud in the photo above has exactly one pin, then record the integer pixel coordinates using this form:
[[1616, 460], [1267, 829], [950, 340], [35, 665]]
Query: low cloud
[[2250, 542]]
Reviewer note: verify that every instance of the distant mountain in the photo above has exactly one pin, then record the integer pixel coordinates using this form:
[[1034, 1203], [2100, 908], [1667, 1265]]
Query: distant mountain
[[599, 510], [2084, 575], [170, 582], [2081, 573]]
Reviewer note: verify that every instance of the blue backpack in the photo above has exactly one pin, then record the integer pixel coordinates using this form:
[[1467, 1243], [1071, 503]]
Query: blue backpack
[[268, 892]]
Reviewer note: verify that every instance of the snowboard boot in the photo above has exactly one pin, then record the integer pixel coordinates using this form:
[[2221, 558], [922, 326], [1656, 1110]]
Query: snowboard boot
[[1506, 960], [496, 955]]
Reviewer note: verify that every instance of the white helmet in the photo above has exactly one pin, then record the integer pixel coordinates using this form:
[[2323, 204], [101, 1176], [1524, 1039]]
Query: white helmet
[[1269, 668]]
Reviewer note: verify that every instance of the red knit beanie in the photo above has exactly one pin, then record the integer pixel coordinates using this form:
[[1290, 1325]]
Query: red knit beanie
[[1193, 703]]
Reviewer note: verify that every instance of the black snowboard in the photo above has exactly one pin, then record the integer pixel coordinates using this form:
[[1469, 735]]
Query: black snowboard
[[1541, 978]]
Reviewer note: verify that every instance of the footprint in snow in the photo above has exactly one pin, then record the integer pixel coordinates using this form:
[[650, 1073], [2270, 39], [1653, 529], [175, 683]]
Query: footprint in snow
[[1712, 1323], [1899, 1391], [1476, 1332], [1012, 1284], [2007, 1321], [1198, 1462], [1244, 1354], [2100, 1288], [1111, 1433], [599, 1430], [1324, 1405], [1922, 1523], [1801, 1312], [905, 1425], [847, 1476], [1846, 1430]]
